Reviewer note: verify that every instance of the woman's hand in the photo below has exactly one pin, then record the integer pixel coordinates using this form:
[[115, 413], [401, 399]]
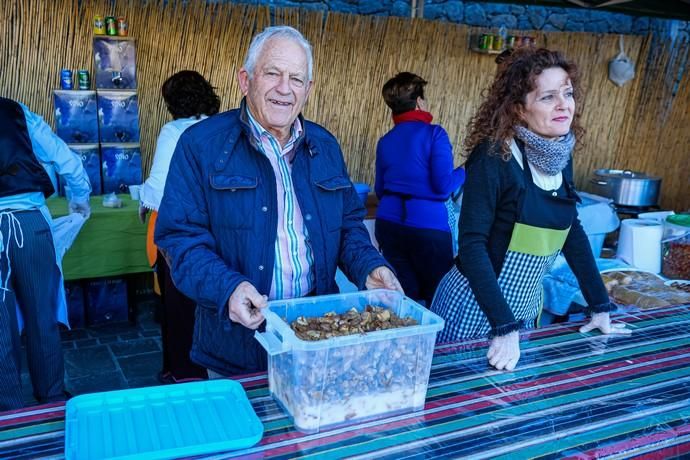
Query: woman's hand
[[142, 214], [504, 351], [602, 321]]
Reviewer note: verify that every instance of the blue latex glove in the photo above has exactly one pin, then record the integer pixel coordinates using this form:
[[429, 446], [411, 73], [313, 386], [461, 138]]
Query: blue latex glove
[[81, 207]]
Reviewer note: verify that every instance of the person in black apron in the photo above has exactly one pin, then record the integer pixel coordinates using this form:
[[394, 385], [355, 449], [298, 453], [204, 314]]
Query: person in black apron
[[415, 178], [519, 209]]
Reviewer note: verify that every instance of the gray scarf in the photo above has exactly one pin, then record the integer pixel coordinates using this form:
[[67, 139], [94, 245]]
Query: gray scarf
[[549, 157]]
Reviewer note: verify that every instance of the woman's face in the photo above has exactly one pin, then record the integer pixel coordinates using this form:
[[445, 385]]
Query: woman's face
[[550, 107]]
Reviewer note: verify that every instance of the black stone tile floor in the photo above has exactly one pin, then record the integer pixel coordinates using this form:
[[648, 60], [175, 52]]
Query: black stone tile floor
[[108, 357]]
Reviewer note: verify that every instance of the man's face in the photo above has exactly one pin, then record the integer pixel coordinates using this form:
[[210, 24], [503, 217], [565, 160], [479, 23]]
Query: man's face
[[278, 89]]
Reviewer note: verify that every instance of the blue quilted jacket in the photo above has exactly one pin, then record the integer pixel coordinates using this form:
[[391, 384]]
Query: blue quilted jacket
[[217, 227]]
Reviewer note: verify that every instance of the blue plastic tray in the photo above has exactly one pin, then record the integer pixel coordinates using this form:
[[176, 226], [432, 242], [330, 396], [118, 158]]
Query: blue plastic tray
[[161, 422]]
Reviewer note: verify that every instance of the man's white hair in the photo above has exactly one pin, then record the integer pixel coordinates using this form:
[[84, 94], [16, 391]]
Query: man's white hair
[[258, 42]]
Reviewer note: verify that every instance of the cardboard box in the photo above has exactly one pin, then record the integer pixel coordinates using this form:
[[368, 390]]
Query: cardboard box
[[106, 301], [90, 156], [121, 167], [76, 116], [114, 62], [118, 116]]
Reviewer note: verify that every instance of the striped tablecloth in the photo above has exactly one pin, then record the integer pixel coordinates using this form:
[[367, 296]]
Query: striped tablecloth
[[573, 395]]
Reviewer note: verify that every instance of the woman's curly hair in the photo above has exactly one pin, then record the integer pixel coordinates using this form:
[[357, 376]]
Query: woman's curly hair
[[188, 94], [515, 77]]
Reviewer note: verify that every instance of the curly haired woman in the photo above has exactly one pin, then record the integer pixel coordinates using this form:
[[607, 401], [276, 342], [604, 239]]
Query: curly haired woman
[[189, 99], [518, 209]]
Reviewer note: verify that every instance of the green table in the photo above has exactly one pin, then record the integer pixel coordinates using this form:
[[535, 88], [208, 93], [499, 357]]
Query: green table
[[111, 243]]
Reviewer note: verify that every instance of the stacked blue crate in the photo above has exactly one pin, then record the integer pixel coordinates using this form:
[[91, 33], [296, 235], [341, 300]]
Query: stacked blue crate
[[118, 112], [121, 166], [76, 123]]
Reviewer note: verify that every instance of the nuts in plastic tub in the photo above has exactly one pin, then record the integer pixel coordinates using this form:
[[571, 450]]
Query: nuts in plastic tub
[[340, 380]]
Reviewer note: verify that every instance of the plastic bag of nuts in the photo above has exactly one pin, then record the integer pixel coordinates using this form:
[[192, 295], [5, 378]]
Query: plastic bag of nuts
[[675, 248]]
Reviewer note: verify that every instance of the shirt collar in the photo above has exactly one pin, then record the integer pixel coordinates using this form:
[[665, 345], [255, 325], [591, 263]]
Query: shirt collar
[[259, 131]]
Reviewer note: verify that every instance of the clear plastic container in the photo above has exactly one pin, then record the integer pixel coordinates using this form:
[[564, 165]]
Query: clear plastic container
[[346, 379]]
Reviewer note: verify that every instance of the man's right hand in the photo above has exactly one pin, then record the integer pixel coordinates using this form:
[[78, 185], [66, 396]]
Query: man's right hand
[[245, 305]]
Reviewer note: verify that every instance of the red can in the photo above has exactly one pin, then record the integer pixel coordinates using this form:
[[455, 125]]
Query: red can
[[122, 26]]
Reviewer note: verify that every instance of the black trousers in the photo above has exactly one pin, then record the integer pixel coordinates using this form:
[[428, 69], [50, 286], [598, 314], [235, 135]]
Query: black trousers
[[33, 284], [177, 327], [420, 257]]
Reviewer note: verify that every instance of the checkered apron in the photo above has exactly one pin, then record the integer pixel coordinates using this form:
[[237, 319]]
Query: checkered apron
[[536, 241]]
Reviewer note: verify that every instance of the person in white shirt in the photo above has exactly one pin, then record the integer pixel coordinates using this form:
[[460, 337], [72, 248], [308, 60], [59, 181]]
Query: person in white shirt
[[189, 98]]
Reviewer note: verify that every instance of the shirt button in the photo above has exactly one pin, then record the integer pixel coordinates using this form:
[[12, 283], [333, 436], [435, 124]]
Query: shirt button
[[225, 152], [264, 208], [307, 217], [222, 161], [261, 267]]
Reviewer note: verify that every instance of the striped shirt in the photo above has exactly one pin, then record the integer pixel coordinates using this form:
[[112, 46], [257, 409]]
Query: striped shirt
[[293, 274]]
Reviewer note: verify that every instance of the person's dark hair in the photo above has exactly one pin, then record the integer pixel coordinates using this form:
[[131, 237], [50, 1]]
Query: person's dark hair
[[188, 94], [401, 92], [505, 98]]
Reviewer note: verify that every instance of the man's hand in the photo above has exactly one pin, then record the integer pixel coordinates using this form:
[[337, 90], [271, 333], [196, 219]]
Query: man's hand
[[383, 278], [602, 321], [504, 351], [245, 305], [142, 213], [81, 207]]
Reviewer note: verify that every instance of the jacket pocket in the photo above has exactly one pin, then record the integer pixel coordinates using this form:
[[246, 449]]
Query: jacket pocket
[[331, 191], [234, 200]]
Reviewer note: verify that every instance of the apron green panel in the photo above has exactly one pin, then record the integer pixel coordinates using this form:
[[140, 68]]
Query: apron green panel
[[537, 241]]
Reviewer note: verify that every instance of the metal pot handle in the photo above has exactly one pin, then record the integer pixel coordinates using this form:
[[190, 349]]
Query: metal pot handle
[[599, 182]]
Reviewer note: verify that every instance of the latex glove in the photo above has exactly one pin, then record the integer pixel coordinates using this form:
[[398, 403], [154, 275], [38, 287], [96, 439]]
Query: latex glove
[[142, 213], [82, 207], [504, 351], [602, 321], [245, 305], [383, 278]]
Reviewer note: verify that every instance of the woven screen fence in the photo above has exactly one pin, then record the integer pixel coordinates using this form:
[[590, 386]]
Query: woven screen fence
[[644, 126]]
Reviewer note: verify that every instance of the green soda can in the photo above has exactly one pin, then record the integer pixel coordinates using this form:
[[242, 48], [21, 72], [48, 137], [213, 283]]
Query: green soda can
[[84, 79], [110, 25], [489, 42]]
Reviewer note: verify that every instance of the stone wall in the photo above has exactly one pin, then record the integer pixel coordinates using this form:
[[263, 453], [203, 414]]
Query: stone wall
[[494, 15]]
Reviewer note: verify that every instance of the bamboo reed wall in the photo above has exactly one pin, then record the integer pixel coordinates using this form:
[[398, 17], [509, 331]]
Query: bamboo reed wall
[[644, 125]]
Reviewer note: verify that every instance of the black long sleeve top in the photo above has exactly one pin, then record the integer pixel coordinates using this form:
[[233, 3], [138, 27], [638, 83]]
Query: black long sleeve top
[[493, 191]]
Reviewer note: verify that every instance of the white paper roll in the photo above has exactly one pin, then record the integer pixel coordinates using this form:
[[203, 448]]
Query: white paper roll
[[639, 243]]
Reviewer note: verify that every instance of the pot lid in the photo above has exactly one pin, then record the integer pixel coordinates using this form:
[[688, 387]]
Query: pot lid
[[624, 174]]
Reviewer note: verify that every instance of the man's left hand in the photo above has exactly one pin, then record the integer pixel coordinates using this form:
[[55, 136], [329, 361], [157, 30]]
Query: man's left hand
[[383, 278]]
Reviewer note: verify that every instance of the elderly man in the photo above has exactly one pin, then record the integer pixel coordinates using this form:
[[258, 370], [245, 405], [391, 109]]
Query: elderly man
[[259, 205]]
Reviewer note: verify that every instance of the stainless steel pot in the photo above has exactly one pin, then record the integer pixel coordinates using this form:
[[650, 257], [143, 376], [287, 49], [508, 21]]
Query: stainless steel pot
[[627, 188]]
